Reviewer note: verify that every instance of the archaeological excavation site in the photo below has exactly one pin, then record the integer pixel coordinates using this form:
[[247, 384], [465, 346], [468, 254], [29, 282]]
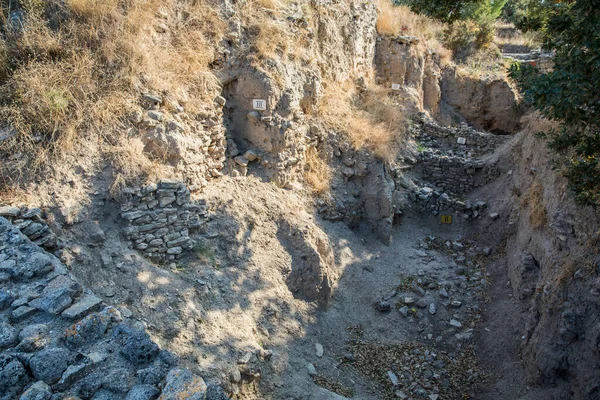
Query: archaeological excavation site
[[299, 199]]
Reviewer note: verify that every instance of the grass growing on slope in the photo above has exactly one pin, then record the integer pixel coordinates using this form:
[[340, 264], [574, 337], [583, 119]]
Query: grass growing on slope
[[72, 71], [369, 119]]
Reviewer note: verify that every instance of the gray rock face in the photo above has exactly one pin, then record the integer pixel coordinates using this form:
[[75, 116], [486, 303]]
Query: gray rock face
[[6, 299], [152, 375], [38, 391], [13, 376], [103, 351], [143, 392], [8, 335], [49, 364], [82, 307], [159, 218], [215, 393], [117, 381], [182, 380], [139, 349]]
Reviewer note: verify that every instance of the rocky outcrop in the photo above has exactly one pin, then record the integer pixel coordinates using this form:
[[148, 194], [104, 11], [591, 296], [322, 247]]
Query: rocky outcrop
[[342, 47], [401, 60], [159, 218], [31, 223], [58, 340], [193, 144]]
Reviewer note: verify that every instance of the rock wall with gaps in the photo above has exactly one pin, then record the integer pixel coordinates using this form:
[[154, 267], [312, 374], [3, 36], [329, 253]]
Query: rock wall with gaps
[[58, 340], [31, 223], [475, 143], [455, 174], [159, 218]]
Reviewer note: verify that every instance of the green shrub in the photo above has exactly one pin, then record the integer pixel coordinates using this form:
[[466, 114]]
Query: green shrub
[[569, 94]]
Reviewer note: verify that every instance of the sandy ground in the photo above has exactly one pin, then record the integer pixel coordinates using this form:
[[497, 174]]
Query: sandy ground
[[232, 300]]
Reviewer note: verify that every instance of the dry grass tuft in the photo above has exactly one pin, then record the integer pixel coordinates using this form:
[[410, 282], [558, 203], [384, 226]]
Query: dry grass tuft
[[538, 216], [534, 123], [317, 172], [400, 20], [369, 119], [78, 67], [133, 167]]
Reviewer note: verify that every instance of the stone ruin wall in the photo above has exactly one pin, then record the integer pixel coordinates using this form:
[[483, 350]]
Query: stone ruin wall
[[456, 175], [159, 218], [58, 340], [31, 223]]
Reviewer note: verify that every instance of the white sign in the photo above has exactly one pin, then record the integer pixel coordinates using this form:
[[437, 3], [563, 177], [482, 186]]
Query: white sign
[[395, 86], [259, 104], [461, 140]]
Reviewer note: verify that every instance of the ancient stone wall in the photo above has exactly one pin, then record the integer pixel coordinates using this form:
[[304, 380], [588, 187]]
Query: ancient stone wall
[[436, 202], [194, 145], [431, 134], [58, 340], [30, 222], [159, 218], [455, 174]]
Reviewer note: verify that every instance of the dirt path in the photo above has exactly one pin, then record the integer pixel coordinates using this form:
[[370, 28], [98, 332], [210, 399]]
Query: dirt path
[[373, 271]]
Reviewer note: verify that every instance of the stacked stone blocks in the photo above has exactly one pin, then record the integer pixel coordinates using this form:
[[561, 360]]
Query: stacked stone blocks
[[159, 218], [60, 341]]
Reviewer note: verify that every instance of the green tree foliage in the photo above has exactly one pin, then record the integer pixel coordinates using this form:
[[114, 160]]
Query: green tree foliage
[[444, 10], [471, 21], [454, 10], [571, 93], [528, 14]]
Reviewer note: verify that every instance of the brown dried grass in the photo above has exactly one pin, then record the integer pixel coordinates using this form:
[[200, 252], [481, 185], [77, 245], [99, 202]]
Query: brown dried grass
[[317, 172], [534, 200], [77, 76], [369, 119]]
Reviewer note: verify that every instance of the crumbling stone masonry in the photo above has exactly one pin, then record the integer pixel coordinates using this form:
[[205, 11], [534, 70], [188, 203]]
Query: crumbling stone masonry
[[455, 174], [159, 219], [58, 340], [30, 222]]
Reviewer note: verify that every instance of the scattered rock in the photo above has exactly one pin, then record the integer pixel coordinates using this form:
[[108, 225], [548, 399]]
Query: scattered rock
[[245, 359], [13, 376], [181, 382], [139, 348], [142, 392], [319, 349], [393, 378], [9, 211], [383, 306], [455, 323], [38, 391], [312, 371], [86, 304], [8, 336], [432, 309], [49, 364]]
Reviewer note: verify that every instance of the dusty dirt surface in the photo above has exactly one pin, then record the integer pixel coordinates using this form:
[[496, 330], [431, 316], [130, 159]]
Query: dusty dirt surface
[[269, 285]]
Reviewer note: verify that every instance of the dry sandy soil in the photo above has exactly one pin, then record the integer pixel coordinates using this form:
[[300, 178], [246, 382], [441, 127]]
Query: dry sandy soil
[[245, 294]]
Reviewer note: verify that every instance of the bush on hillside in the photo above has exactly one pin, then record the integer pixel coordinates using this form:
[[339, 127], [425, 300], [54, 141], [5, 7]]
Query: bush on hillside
[[569, 94]]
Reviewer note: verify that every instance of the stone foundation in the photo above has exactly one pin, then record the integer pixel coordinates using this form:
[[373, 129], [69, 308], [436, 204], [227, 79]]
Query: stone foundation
[[58, 340], [159, 219], [30, 222]]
